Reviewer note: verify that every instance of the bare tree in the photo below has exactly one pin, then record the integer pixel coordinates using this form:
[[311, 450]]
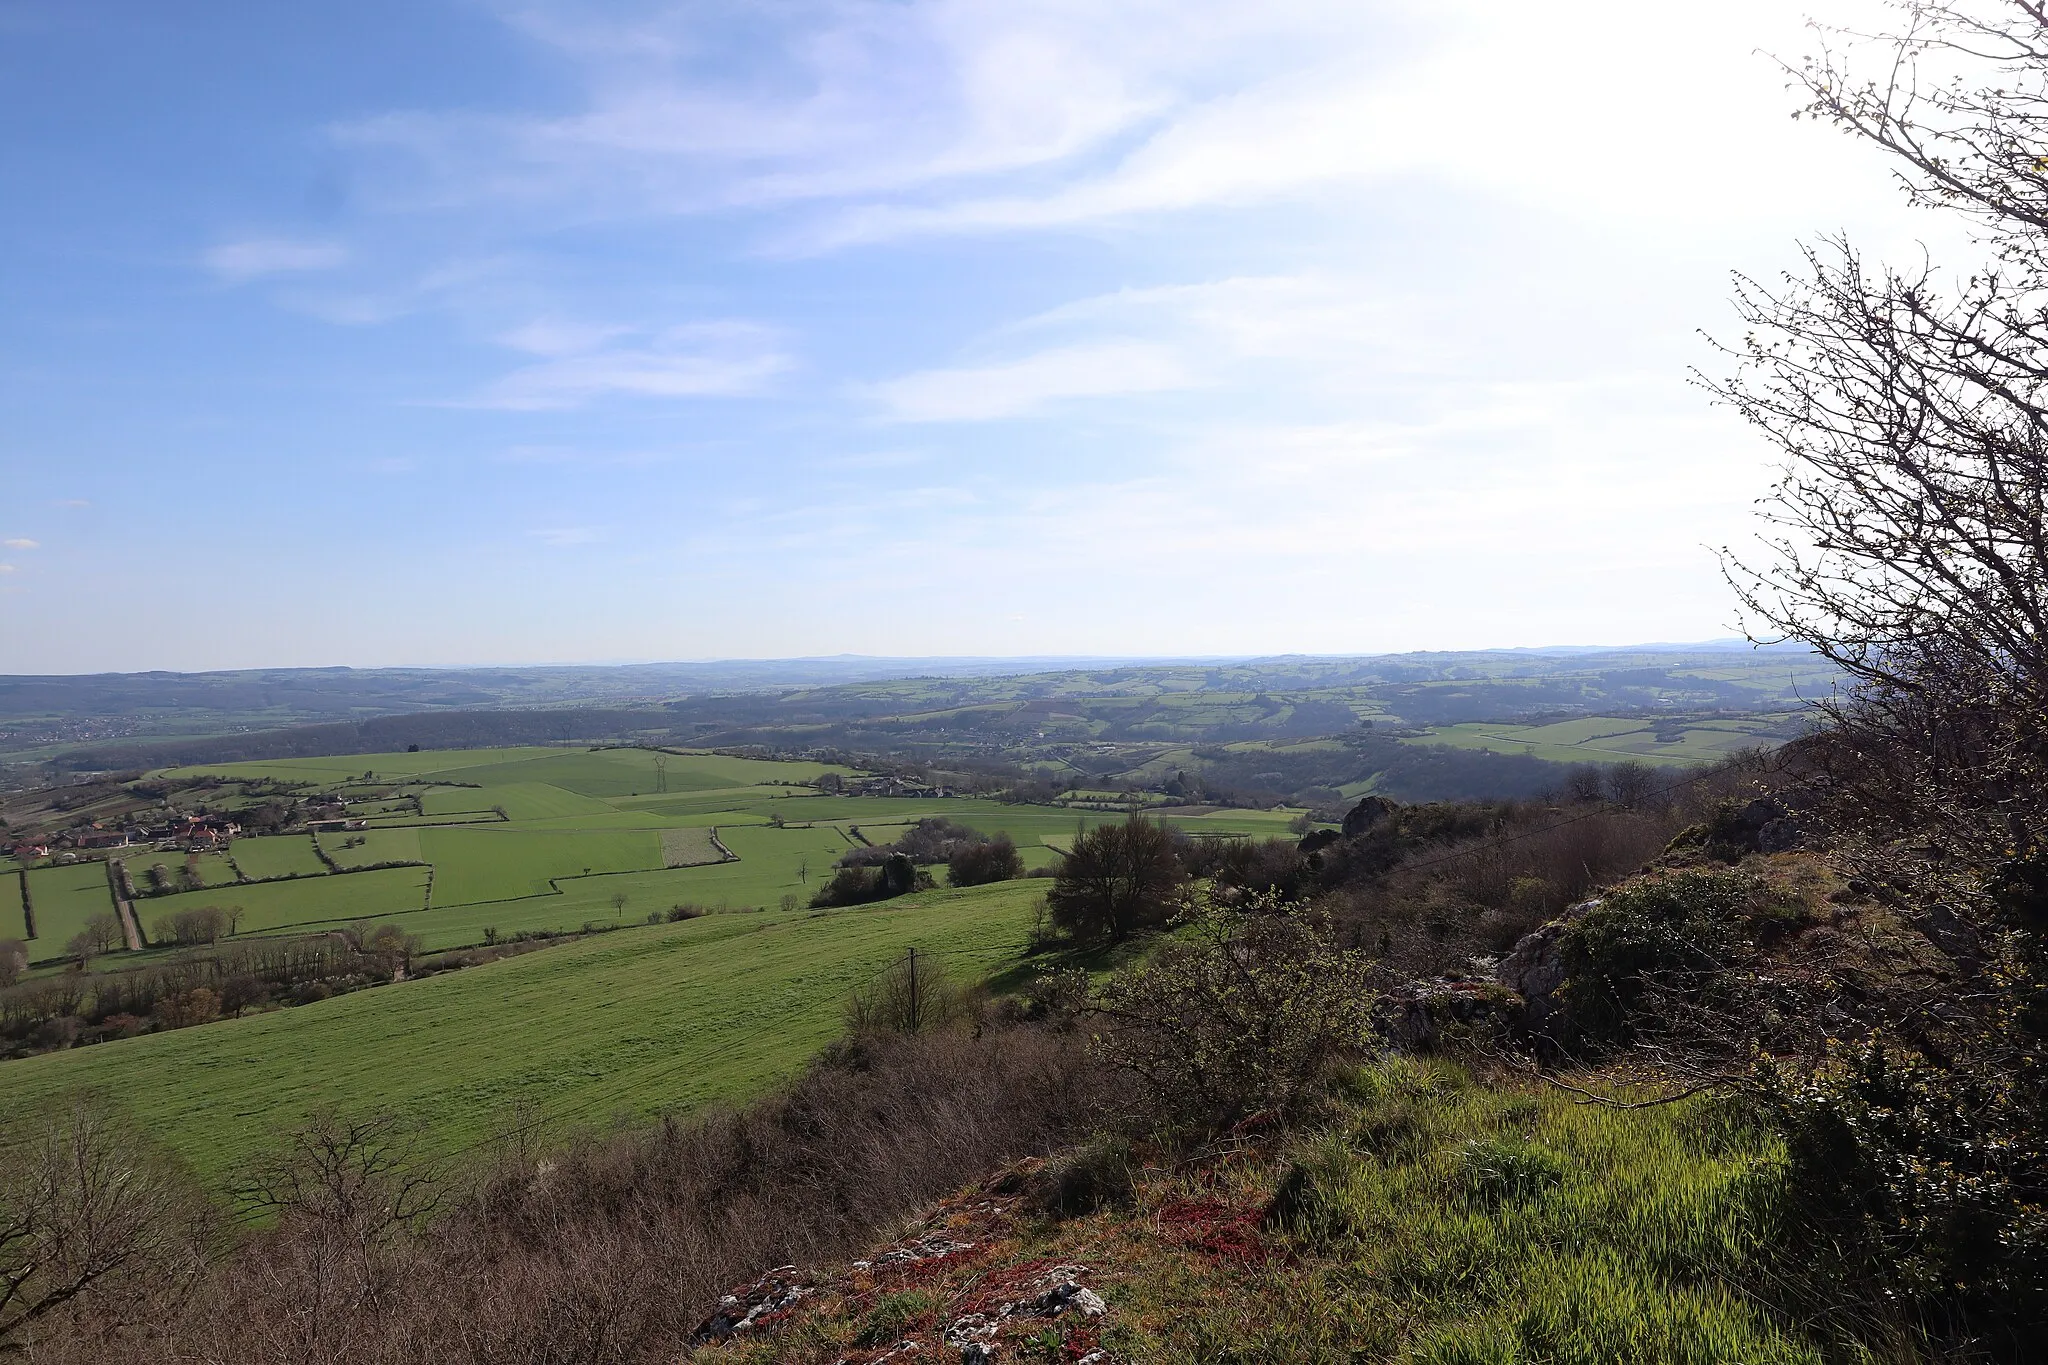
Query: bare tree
[[1909, 532], [105, 930], [1908, 543], [90, 1217], [366, 1176]]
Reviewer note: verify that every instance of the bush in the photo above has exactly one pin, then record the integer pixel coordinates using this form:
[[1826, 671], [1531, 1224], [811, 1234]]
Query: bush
[[1243, 1018], [1927, 1183], [1668, 936], [914, 996], [979, 864], [1116, 880], [896, 876]]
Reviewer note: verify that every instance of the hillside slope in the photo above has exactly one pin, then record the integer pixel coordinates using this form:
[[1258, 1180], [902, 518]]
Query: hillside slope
[[1431, 1215]]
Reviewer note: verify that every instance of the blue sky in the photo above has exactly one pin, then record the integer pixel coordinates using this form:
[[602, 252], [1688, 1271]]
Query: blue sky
[[441, 333]]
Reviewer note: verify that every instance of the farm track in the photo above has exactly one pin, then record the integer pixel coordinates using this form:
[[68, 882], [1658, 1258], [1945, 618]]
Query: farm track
[[124, 909]]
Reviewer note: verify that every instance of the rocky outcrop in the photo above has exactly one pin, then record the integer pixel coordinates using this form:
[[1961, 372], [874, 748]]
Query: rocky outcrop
[[1768, 824], [757, 1305], [1420, 1016], [1369, 811], [1056, 1293], [1535, 967]]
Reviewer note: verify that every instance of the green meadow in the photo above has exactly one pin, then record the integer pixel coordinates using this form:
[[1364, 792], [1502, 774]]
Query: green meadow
[[528, 840], [13, 924], [302, 904], [1608, 739], [633, 1023], [64, 899], [283, 855]]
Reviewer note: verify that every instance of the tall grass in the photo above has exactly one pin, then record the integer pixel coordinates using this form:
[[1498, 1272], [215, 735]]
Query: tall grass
[[1504, 1226]]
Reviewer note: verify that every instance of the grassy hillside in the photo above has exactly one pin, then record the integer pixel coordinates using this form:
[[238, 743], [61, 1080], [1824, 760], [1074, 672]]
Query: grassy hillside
[[638, 1022], [1425, 1219]]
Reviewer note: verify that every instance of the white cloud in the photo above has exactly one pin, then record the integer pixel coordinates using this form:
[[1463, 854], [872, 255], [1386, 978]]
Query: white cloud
[[6, 568], [258, 257], [898, 117], [834, 100], [702, 360], [1008, 389], [20, 543], [551, 336], [1326, 330]]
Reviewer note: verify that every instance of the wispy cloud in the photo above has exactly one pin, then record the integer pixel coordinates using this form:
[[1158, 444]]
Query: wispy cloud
[[71, 502], [985, 392], [702, 360], [21, 543], [890, 118], [1181, 337], [565, 536], [852, 99], [257, 257]]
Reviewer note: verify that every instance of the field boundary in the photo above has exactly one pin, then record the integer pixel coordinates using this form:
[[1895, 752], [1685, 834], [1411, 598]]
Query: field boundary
[[28, 905], [292, 877]]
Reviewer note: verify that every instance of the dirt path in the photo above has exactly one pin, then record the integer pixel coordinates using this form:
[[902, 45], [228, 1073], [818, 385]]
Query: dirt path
[[124, 909]]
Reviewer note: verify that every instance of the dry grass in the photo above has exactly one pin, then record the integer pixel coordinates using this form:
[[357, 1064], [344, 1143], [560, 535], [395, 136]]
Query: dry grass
[[611, 1249]]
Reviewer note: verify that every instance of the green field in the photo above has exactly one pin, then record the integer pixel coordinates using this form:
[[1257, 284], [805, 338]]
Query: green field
[[300, 904], [282, 855], [214, 869], [1609, 739], [377, 846], [12, 922], [509, 862], [574, 836], [633, 1023], [65, 898]]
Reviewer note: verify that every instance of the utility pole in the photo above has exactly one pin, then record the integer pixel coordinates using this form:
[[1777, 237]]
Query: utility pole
[[916, 1011], [660, 771]]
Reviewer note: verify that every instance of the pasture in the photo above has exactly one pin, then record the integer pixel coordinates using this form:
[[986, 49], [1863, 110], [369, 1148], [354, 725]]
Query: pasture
[[633, 1023], [366, 848], [544, 839], [281, 855], [1610, 739], [64, 899], [13, 924], [299, 904]]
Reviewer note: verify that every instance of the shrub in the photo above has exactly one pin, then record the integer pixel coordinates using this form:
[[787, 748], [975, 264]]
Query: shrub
[[914, 996], [893, 1316], [1928, 1182], [1670, 935], [979, 864], [896, 876], [1241, 1018]]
